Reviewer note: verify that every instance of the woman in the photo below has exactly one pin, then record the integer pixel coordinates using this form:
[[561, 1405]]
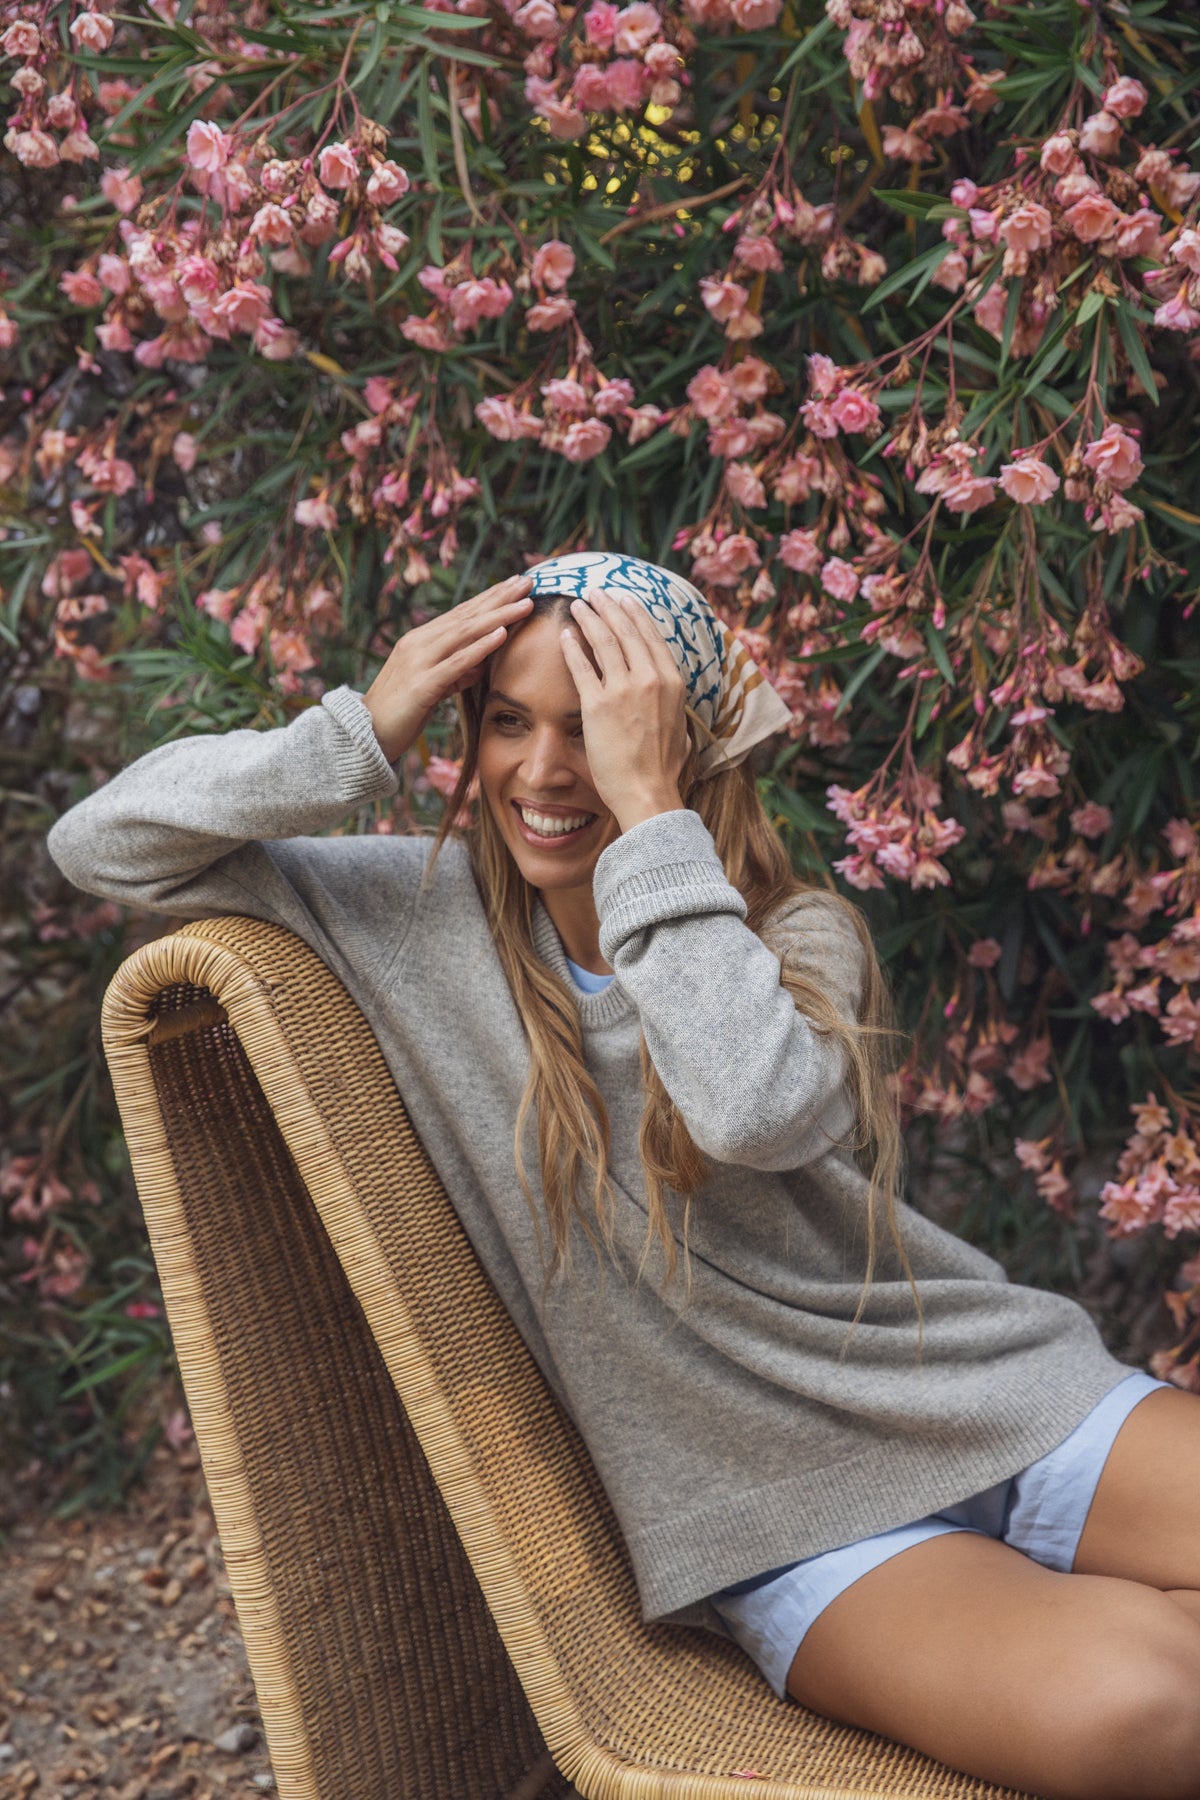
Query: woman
[[648, 1064]]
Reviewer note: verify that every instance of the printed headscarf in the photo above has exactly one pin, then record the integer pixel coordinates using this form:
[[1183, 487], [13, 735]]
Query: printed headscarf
[[726, 689]]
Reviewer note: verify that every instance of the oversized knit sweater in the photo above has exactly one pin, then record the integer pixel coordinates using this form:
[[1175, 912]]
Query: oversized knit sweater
[[729, 1433]]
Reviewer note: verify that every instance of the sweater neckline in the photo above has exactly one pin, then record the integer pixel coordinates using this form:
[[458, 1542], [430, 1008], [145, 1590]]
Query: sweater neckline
[[607, 1007]]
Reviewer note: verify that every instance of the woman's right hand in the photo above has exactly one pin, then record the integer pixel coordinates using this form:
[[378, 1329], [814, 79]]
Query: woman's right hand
[[439, 658]]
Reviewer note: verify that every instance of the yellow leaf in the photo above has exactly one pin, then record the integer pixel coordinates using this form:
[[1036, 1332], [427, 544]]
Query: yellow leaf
[[1176, 512], [326, 364], [1164, 205], [744, 68], [870, 131]]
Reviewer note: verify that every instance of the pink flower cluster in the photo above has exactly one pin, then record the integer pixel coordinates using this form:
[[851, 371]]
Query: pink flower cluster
[[896, 47], [901, 835], [1156, 979], [630, 57], [1158, 1176], [41, 111]]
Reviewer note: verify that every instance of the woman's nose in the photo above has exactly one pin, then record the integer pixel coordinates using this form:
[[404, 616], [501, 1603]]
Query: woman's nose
[[547, 761]]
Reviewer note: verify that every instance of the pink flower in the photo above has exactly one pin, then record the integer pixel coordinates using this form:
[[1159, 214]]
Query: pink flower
[[854, 411], [801, 551], [1091, 218], [548, 315], [538, 19], [219, 603], [1138, 234], [208, 148], [1186, 249], [121, 189], [1125, 98], [114, 336], [316, 512], [566, 394], [756, 15], [1027, 228], [425, 333], [615, 397], [247, 629], [243, 306], [745, 486], [1176, 314], [600, 24], [839, 578], [1115, 456], [724, 564], [1100, 135], [21, 39], [1091, 820], [553, 264], [585, 439], [81, 287], [337, 165], [723, 298], [712, 393], [566, 122], [644, 422], [92, 31], [985, 953], [183, 450], [35, 149], [626, 84], [482, 298], [967, 493], [290, 650], [114, 273], [1028, 480], [388, 182], [1058, 153], [636, 26], [77, 146], [823, 376]]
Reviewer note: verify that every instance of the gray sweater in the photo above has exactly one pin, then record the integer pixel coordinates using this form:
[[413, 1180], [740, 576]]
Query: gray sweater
[[727, 1433]]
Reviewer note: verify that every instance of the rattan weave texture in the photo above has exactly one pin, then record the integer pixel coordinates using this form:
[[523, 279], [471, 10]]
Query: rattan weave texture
[[315, 1277]]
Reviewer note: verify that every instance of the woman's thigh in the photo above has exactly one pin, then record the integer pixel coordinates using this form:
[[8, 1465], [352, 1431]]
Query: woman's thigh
[[1144, 1520], [1073, 1687]]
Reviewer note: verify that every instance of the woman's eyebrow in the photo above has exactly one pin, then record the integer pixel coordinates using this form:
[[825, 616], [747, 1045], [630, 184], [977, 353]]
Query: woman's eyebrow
[[521, 707]]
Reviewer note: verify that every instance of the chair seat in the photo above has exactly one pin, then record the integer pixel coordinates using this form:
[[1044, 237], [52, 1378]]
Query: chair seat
[[432, 1588]]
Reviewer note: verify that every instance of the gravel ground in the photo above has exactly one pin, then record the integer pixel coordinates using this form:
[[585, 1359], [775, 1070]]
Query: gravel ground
[[122, 1670]]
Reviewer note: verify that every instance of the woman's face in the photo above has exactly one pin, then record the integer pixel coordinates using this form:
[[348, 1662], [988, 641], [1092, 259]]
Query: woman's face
[[531, 757]]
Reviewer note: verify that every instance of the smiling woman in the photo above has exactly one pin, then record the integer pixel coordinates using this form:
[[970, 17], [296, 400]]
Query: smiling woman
[[820, 1418]]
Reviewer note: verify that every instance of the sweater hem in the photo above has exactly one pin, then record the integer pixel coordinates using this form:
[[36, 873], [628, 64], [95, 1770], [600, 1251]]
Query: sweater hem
[[891, 1484]]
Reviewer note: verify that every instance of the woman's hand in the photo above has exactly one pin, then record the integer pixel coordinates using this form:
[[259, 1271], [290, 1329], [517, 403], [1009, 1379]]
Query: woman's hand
[[634, 727], [440, 658]]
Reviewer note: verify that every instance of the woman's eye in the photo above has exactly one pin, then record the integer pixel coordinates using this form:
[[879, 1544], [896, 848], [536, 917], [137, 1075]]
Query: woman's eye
[[502, 718]]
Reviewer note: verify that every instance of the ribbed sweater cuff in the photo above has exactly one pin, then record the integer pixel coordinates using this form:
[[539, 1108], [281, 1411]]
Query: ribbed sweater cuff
[[665, 867], [363, 771]]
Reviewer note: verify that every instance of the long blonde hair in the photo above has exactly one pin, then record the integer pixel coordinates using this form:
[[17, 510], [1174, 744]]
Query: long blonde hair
[[573, 1131]]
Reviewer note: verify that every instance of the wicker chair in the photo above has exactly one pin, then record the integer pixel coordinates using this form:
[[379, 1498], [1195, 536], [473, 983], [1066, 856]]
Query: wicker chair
[[432, 1589]]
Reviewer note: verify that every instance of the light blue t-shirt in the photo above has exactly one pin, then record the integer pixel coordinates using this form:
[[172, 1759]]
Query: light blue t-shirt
[[591, 984]]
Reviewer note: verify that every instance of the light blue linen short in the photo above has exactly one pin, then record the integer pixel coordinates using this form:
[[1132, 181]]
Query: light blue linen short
[[1040, 1511]]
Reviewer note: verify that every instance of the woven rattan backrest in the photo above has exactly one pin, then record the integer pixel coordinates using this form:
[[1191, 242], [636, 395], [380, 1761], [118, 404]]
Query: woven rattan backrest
[[628, 1710]]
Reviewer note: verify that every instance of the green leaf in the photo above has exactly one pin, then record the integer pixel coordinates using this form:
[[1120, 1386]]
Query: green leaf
[[1135, 350], [1090, 305], [937, 646], [900, 278], [861, 674]]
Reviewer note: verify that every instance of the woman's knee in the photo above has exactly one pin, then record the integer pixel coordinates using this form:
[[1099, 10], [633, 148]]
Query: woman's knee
[[1135, 1725]]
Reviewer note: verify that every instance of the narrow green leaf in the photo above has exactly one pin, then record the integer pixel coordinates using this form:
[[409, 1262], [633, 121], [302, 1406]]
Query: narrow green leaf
[[934, 639], [1135, 350]]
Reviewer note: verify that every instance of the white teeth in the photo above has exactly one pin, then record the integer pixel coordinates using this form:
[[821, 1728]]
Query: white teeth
[[552, 827]]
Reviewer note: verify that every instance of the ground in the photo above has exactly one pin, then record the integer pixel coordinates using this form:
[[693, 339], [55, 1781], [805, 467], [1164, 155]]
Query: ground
[[121, 1664]]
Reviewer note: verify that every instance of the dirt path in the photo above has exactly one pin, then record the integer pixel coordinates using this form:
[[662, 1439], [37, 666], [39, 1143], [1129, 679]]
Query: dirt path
[[121, 1663]]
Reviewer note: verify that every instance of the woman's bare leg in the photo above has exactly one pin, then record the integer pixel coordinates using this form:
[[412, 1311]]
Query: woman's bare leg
[[1072, 1687], [1144, 1520]]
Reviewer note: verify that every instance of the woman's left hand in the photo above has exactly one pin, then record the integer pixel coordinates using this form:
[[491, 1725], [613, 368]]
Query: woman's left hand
[[634, 727]]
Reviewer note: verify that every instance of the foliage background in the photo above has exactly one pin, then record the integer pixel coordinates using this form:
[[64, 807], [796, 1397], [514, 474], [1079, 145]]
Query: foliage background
[[881, 321]]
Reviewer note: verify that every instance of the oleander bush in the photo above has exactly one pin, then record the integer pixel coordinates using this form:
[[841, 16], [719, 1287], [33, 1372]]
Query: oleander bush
[[880, 320]]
